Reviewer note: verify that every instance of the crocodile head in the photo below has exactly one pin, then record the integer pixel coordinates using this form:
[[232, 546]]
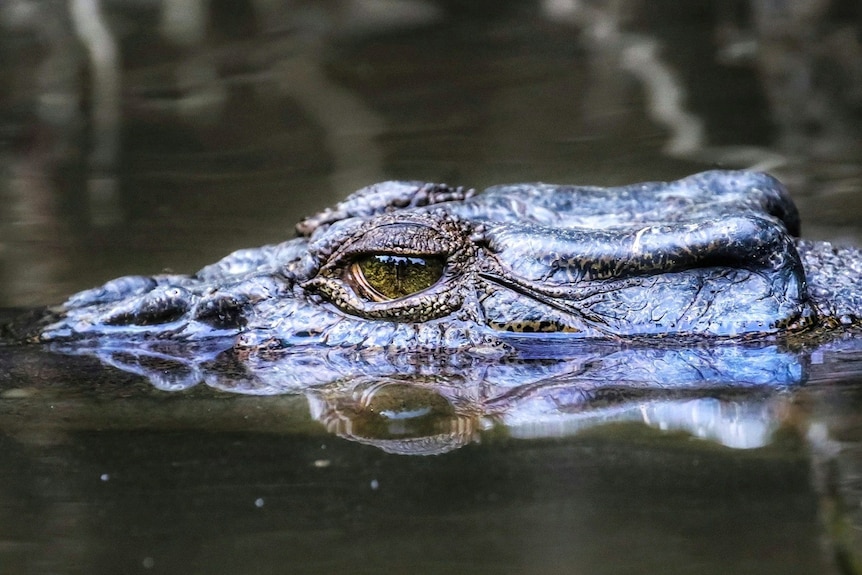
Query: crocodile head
[[405, 266]]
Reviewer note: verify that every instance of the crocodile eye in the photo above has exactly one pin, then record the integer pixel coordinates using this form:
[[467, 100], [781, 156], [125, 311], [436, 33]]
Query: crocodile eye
[[388, 277]]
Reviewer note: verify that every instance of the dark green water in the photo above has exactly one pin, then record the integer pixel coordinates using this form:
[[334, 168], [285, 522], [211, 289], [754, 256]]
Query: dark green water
[[212, 135]]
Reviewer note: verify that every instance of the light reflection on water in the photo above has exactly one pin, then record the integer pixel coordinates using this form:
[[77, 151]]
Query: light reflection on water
[[216, 128]]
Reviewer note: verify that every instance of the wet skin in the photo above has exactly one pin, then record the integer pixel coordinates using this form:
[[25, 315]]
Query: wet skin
[[406, 266]]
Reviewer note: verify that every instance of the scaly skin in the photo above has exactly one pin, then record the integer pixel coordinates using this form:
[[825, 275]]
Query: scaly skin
[[710, 256]]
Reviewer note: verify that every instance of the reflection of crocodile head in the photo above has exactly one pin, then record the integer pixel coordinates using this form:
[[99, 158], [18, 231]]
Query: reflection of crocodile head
[[403, 417], [736, 395], [430, 416], [417, 267]]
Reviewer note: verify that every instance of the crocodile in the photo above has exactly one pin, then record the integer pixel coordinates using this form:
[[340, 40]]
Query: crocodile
[[411, 267], [407, 276], [525, 303]]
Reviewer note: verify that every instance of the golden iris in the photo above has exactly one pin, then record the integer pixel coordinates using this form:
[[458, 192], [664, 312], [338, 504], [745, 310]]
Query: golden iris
[[389, 277]]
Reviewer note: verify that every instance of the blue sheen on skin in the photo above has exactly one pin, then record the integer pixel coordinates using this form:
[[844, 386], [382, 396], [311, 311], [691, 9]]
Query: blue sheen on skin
[[709, 257]]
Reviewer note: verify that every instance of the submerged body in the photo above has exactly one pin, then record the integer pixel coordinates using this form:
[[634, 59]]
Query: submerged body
[[406, 266]]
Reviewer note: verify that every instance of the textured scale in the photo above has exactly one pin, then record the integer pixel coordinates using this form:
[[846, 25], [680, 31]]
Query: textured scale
[[713, 255]]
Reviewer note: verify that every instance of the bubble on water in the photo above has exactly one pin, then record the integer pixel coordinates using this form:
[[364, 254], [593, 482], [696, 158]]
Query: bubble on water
[[104, 477], [375, 484]]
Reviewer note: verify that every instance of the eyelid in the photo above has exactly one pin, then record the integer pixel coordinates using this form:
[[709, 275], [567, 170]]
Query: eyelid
[[418, 234], [401, 239]]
